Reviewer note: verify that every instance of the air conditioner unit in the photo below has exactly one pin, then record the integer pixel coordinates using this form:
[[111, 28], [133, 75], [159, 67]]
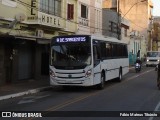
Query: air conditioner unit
[[132, 33], [39, 33]]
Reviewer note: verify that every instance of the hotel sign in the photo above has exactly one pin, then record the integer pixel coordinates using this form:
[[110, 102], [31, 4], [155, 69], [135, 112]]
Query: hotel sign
[[50, 20], [32, 13], [33, 7], [36, 17]]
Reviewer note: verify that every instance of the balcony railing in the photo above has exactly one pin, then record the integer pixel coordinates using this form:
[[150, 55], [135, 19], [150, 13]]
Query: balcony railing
[[83, 21]]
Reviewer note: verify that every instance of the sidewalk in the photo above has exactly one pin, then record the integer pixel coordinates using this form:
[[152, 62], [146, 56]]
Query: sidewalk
[[22, 88]]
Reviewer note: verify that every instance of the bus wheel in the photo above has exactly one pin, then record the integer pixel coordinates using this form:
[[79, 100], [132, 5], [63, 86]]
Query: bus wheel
[[119, 79], [101, 85]]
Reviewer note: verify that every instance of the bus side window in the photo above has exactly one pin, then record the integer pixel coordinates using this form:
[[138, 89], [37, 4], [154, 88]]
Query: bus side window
[[96, 55], [109, 50], [103, 50]]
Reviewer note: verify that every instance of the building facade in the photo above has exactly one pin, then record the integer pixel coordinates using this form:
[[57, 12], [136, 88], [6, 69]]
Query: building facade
[[89, 17], [139, 14], [110, 23], [155, 38], [26, 31], [96, 17]]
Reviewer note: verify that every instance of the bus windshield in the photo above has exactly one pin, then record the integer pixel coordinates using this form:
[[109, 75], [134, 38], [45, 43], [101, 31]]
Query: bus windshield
[[71, 56], [153, 54]]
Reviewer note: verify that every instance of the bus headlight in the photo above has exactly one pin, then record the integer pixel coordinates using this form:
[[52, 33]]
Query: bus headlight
[[51, 73], [147, 60], [88, 73], [158, 60]]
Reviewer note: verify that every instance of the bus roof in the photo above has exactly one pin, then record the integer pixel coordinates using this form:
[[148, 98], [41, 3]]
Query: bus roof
[[107, 38]]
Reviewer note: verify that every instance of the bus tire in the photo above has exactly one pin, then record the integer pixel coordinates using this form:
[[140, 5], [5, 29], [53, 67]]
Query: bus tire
[[119, 79], [100, 86]]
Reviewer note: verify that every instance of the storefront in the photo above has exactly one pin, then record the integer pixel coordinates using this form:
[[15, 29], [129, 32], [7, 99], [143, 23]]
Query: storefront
[[23, 58]]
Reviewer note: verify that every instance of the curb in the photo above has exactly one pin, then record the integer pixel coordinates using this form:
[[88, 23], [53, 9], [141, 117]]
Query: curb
[[25, 93]]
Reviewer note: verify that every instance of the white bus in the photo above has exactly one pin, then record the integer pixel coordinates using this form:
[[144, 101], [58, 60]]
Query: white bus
[[86, 60], [152, 58]]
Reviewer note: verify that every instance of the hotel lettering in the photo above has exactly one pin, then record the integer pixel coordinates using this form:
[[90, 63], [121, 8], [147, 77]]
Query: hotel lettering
[[44, 19], [33, 7]]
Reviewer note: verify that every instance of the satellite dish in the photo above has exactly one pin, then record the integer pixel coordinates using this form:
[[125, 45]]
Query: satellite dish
[[20, 17], [12, 23]]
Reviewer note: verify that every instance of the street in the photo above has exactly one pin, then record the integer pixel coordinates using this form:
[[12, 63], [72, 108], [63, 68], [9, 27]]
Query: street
[[136, 92]]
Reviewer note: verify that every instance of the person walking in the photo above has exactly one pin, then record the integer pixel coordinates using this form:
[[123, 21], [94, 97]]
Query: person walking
[[158, 76]]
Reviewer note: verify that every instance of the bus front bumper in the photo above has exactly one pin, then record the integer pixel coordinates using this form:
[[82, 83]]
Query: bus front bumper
[[71, 82]]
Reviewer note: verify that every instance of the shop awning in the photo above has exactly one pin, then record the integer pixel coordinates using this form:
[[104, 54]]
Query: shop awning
[[26, 38], [32, 38], [36, 39]]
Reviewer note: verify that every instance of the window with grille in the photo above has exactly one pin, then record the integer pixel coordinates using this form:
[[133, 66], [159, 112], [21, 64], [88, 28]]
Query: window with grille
[[52, 7], [84, 11], [70, 11]]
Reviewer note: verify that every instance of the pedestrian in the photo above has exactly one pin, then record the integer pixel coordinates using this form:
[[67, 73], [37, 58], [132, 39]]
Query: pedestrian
[[158, 76], [144, 57]]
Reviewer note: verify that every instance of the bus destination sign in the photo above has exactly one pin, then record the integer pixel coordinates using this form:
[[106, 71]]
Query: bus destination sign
[[71, 39]]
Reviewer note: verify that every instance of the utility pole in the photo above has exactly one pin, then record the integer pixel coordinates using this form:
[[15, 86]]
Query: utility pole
[[119, 22]]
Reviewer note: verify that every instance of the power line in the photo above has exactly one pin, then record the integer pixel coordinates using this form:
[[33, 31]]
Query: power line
[[132, 7], [134, 23], [135, 14]]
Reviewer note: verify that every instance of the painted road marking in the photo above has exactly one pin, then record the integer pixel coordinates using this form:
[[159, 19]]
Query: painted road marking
[[31, 99], [156, 109], [135, 76]]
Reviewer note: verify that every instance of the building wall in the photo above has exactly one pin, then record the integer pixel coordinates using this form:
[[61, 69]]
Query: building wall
[[98, 16], [110, 4], [93, 17], [155, 38], [2, 72], [109, 17], [83, 23], [139, 13], [70, 25], [10, 6], [93, 23]]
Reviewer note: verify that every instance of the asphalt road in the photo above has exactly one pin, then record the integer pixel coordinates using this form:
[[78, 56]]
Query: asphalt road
[[135, 94]]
